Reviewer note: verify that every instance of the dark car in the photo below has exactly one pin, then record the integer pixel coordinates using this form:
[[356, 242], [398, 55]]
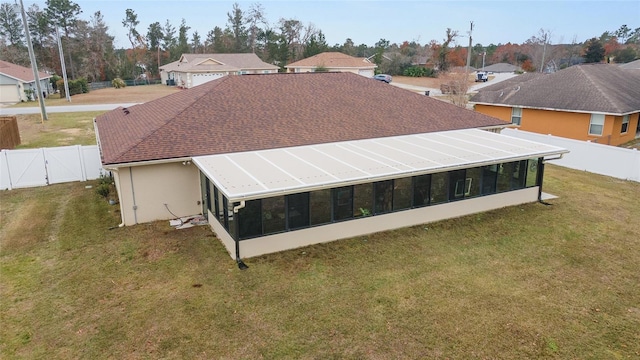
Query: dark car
[[383, 77]]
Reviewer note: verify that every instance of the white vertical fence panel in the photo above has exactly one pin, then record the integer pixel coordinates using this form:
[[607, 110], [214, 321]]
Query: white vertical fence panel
[[39, 167], [63, 164], [92, 164], [597, 158], [26, 168], [5, 180]]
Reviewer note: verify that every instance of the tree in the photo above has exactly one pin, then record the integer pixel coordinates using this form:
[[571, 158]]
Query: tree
[[154, 38], [64, 14], [316, 45], [11, 25], [183, 42], [195, 42], [290, 30], [130, 22], [235, 24], [348, 47], [594, 51], [255, 16], [625, 55], [97, 64], [451, 35], [169, 40]]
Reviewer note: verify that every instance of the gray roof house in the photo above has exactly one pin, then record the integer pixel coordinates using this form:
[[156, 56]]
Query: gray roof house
[[280, 161], [195, 69], [502, 68], [596, 102], [15, 79]]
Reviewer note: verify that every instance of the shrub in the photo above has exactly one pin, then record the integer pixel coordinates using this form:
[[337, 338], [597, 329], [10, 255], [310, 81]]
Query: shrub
[[118, 83], [418, 71], [103, 190], [78, 86]]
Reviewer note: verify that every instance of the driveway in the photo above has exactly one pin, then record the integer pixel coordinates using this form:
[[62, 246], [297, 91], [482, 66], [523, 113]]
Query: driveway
[[496, 78]]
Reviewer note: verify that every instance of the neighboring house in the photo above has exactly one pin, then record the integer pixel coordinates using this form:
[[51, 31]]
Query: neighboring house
[[502, 68], [598, 102], [281, 161], [195, 69], [15, 79], [334, 62]]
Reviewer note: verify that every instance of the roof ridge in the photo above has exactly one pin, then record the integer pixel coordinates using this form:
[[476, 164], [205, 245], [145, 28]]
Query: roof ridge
[[597, 86], [170, 119]]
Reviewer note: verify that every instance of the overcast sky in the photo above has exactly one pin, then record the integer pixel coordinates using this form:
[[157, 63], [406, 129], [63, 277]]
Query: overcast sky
[[367, 21]]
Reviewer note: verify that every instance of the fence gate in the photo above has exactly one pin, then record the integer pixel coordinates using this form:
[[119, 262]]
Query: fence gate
[[39, 167]]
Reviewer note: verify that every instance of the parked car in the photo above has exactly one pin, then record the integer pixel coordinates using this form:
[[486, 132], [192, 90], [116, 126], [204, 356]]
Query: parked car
[[383, 77], [482, 76]]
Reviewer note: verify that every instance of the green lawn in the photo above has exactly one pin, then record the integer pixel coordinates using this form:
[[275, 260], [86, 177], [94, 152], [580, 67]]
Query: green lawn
[[531, 281]]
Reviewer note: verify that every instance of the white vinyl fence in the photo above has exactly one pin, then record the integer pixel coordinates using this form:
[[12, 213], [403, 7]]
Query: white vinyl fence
[[601, 159], [39, 167]]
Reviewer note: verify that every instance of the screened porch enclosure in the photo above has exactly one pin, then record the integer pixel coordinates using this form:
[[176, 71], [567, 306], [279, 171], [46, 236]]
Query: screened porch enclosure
[[265, 193]]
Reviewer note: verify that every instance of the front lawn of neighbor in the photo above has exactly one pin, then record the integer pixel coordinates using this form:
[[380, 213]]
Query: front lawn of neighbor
[[530, 281]]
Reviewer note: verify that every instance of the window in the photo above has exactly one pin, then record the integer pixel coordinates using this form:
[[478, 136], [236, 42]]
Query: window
[[625, 124], [383, 194], [421, 185], [250, 220], [532, 173], [439, 187], [342, 203], [298, 211], [401, 194], [516, 115], [519, 174], [458, 184], [320, 207], [489, 179], [504, 177], [473, 177], [596, 125], [273, 215], [363, 200]]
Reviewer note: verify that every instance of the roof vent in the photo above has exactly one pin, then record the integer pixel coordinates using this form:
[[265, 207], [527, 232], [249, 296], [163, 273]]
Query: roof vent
[[126, 111]]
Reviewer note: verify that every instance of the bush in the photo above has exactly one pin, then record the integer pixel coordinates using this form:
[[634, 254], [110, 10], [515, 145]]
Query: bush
[[78, 86], [118, 83], [418, 71], [103, 190]]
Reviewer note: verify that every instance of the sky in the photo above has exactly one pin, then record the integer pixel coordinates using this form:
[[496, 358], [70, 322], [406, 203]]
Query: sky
[[368, 21]]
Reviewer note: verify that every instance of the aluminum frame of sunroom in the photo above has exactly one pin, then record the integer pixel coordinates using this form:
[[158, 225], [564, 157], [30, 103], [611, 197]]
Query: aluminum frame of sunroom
[[264, 173]]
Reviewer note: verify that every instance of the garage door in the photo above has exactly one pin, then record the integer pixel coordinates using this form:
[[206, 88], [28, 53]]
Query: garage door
[[9, 93], [367, 73], [197, 79]]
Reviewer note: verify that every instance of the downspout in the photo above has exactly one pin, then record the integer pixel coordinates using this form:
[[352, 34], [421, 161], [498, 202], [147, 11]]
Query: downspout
[[119, 202], [241, 265], [133, 196], [540, 177]]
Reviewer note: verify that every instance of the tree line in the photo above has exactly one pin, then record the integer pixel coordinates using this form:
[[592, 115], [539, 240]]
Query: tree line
[[89, 50]]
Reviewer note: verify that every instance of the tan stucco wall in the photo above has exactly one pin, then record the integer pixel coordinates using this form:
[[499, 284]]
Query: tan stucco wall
[[149, 187], [566, 124], [347, 229]]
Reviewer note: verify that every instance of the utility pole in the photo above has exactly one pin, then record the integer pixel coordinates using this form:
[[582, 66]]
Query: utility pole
[[34, 66], [469, 49], [64, 68]]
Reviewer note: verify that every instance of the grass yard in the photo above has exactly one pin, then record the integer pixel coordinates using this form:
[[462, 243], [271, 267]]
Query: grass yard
[[531, 281]]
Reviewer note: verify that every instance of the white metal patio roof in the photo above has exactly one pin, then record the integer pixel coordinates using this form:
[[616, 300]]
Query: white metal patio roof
[[264, 173]]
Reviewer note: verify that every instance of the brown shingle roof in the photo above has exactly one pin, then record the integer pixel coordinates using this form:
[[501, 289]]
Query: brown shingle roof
[[333, 60], [18, 72], [255, 112], [601, 88]]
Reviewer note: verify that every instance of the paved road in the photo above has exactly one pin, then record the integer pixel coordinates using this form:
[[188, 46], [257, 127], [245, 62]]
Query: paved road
[[64, 108], [433, 91]]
